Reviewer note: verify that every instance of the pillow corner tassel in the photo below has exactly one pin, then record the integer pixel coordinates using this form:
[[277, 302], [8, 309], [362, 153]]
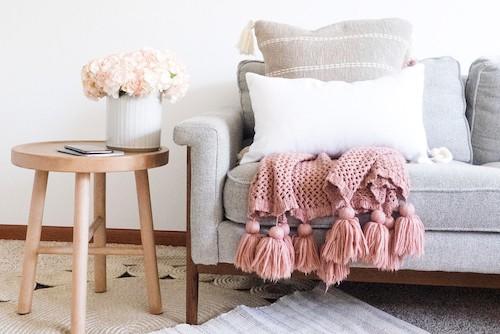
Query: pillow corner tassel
[[345, 241], [245, 253], [273, 259], [408, 232], [306, 250], [377, 237], [246, 42]]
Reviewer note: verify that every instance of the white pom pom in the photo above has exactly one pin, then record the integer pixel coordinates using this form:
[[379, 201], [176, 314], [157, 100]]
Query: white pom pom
[[441, 155]]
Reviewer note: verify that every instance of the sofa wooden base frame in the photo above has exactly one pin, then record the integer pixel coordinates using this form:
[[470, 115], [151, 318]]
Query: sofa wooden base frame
[[368, 275]]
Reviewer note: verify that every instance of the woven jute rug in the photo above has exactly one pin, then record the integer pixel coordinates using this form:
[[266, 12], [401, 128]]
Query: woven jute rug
[[123, 308]]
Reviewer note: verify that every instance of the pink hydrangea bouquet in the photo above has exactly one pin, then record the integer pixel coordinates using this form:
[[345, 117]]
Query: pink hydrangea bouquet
[[137, 73]]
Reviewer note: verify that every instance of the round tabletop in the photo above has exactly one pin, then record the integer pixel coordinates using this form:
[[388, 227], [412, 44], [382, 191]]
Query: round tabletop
[[44, 156]]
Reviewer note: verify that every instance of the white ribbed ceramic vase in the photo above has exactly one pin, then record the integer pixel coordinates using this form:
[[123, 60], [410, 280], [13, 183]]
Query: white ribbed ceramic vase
[[133, 124]]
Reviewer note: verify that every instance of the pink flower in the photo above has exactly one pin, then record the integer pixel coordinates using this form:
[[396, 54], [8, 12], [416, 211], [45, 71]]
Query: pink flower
[[137, 73]]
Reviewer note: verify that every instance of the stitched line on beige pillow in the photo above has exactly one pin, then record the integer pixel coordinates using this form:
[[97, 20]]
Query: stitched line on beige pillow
[[329, 67], [333, 38]]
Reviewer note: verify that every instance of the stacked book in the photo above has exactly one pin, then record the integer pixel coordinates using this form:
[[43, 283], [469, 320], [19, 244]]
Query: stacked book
[[88, 150]]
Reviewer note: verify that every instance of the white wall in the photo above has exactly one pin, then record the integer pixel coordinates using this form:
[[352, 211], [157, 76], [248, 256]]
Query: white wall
[[43, 45]]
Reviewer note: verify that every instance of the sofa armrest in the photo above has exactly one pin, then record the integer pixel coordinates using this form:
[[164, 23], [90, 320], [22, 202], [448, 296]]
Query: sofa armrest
[[214, 141]]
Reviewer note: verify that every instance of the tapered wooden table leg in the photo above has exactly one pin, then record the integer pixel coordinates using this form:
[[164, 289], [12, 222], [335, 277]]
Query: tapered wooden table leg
[[44, 156], [100, 232], [80, 253], [32, 242], [148, 242]]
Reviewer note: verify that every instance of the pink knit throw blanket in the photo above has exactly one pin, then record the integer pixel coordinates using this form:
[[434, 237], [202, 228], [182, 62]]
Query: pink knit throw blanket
[[363, 180]]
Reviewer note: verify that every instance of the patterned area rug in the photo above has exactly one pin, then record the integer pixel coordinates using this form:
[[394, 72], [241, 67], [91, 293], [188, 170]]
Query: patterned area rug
[[123, 308]]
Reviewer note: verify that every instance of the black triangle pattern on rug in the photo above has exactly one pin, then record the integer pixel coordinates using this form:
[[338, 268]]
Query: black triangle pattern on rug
[[125, 274], [167, 277], [40, 286]]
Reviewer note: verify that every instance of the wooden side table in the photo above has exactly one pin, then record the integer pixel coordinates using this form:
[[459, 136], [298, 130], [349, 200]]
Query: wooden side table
[[44, 158]]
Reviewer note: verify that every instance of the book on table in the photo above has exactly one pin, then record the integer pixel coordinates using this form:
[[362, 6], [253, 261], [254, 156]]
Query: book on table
[[89, 150]]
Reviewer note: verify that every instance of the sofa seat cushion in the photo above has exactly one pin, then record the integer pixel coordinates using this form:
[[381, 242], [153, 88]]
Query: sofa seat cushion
[[444, 250], [448, 197]]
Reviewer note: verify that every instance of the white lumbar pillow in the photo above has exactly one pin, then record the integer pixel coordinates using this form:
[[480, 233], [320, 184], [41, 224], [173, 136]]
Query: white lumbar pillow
[[313, 116]]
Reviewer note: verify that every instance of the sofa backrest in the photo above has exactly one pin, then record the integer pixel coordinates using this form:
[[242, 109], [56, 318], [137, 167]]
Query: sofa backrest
[[483, 109], [444, 105], [244, 67]]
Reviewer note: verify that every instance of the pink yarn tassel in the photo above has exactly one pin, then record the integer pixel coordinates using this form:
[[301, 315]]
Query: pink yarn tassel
[[332, 273], [245, 253], [345, 241], [288, 240], [394, 261], [377, 239], [306, 251], [408, 232], [272, 256]]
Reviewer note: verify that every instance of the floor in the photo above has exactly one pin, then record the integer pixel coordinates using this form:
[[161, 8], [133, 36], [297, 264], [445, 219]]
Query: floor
[[122, 308], [435, 309]]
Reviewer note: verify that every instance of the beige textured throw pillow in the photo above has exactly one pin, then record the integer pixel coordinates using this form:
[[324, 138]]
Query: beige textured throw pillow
[[346, 51]]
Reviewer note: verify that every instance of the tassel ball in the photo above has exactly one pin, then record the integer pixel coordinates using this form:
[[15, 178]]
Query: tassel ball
[[306, 250], [272, 256], [245, 253], [345, 241], [377, 239], [408, 232]]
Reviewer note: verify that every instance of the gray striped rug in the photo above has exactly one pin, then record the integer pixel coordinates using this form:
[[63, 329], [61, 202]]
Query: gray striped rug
[[303, 312]]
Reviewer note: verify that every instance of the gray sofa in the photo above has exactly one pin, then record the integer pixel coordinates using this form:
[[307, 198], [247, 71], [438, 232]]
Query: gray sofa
[[459, 202]]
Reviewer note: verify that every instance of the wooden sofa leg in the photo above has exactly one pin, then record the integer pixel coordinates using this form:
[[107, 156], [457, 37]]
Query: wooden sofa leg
[[192, 280], [192, 275]]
